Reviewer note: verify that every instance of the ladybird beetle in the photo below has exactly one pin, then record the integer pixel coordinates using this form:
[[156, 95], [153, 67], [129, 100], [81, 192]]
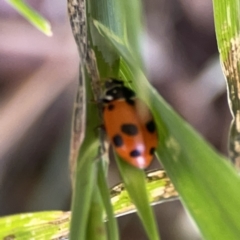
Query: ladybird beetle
[[129, 124]]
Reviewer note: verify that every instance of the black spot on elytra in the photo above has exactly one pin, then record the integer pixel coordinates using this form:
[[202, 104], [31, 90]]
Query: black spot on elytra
[[151, 126], [130, 101], [135, 153], [152, 150], [117, 141], [111, 107], [129, 129]]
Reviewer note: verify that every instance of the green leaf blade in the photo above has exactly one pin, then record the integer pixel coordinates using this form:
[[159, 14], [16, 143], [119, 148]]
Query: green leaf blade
[[111, 223], [44, 225], [32, 16], [204, 179], [96, 227], [135, 183]]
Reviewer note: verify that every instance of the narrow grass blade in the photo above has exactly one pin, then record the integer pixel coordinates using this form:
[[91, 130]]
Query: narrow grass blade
[[96, 227], [39, 225], [32, 16], [159, 189], [85, 172], [227, 25], [111, 223], [134, 181]]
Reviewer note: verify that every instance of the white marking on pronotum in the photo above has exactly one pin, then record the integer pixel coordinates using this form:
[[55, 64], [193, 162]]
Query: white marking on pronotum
[[108, 97]]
